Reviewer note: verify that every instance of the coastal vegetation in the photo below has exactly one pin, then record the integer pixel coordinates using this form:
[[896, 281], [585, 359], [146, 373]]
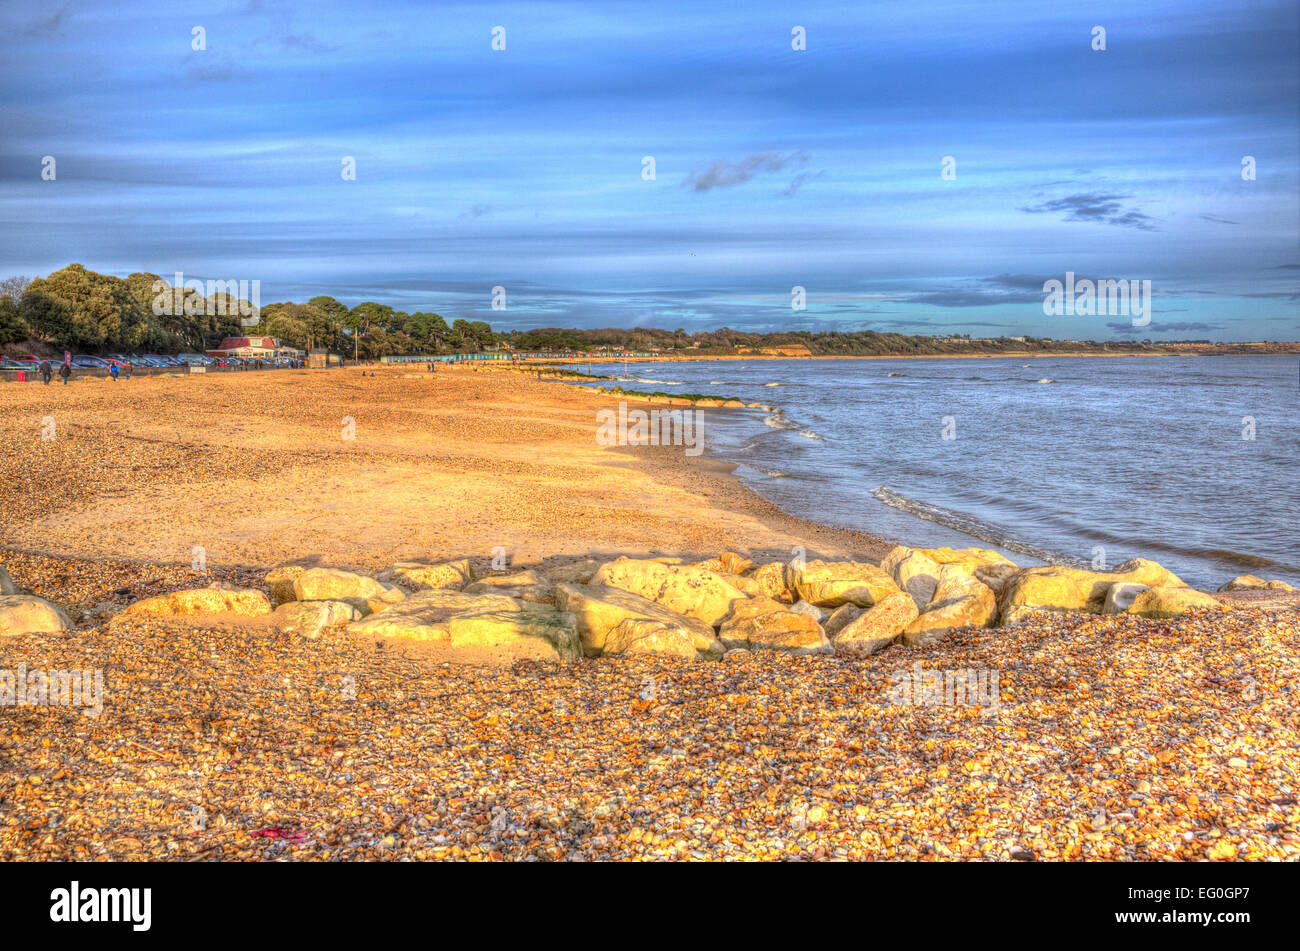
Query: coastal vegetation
[[77, 309]]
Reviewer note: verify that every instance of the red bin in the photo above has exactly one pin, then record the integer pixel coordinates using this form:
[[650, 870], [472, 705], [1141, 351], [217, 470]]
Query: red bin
[[22, 376]]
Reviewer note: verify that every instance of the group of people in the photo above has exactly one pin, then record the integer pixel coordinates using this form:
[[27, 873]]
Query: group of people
[[65, 369]]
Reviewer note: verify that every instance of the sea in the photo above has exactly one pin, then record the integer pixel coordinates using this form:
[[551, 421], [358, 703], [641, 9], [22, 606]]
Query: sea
[[1085, 461]]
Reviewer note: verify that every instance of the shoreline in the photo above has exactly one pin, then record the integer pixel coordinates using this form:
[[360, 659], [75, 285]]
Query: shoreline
[[230, 735]]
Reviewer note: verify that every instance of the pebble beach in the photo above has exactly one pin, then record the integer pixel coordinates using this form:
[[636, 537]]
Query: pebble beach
[[1104, 737]]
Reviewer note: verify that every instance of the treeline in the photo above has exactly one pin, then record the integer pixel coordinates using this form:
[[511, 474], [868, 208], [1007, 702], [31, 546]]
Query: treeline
[[80, 310], [726, 341], [77, 309]]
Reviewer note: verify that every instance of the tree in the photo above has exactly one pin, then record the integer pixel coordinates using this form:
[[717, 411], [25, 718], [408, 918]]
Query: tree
[[362, 318], [12, 326]]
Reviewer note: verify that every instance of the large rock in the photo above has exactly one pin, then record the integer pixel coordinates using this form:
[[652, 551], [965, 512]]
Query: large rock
[[773, 580], [1165, 601], [1056, 588], [1120, 597], [840, 619], [1239, 583], [599, 609], [728, 563], [967, 558], [334, 584], [694, 592], [28, 614], [426, 615], [913, 571], [280, 580], [525, 585], [960, 600], [308, 618], [576, 572], [744, 583], [765, 623], [996, 575], [526, 634], [644, 636], [422, 576], [829, 584], [875, 628], [213, 600]]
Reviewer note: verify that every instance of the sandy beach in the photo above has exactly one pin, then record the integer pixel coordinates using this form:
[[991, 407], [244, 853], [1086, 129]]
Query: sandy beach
[[1114, 737]]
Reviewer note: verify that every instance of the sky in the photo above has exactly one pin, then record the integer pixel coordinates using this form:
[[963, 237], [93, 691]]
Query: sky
[[526, 167]]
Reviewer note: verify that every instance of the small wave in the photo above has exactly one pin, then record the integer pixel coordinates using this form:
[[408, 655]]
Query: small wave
[[772, 384], [898, 374], [1044, 380], [778, 420], [661, 382], [809, 434], [715, 383], [970, 525], [972, 378]]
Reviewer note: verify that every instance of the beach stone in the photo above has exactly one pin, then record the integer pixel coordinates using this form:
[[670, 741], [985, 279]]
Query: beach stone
[[7, 586], [212, 600], [422, 576], [1120, 597], [773, 581], [840, 618], [28, 614], [914, 571], [578, 572], [960, 600], [1166, 601], [529, 635], [763, 623], [814, 612], [1276, 585], [829, 584], [600, 608], [996, 575], [694, 592], [334, 584], [875, 628], [1057, 588], [308, 618], [280, 580], [644, 636], [426, 615]]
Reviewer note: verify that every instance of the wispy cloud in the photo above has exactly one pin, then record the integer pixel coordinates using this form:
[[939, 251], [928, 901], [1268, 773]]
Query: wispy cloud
[[723, 174], [1101, 209]]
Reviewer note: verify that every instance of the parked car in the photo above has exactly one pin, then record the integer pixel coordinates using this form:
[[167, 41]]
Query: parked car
[[82, 361], [161, 360]]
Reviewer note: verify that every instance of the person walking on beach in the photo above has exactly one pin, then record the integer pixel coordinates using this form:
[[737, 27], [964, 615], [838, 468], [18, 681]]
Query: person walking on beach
[[114, 369], [65, 371], [47, 371]]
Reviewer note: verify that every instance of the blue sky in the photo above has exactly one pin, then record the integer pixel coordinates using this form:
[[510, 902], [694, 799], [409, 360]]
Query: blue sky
[[774, 167]]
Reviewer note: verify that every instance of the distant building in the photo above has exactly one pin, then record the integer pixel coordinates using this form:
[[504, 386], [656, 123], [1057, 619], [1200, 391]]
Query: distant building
[[251, 347]]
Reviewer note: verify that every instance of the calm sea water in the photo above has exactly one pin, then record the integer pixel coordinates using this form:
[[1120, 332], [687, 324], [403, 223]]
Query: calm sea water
[[1063, 460]]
